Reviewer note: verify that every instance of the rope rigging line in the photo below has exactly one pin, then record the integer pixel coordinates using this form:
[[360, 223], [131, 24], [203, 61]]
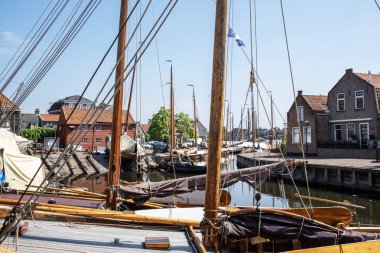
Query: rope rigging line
[[54, 54], [25, 39], [6, 229], [295, 101], [377, 4], [37, 40]]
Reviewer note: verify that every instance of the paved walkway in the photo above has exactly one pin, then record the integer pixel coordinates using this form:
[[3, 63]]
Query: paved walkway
[[338, 162]]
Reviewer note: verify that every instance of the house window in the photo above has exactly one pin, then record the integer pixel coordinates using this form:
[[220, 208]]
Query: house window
[[300, 115], [295, 135], [338, 132], [84, 106], [71, 105], [350, 129], [364, 133], [98, 140], [98, 127], [84, 140], [359, 99], [306, 136], [79, 106], [84, 127], [340, 102]]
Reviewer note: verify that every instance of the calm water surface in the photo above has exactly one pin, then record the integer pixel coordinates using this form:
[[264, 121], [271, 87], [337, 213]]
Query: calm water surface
[[242, 194]]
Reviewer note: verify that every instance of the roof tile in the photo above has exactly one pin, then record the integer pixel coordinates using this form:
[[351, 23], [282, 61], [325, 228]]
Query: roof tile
[[50, 117], [80, 114], [317, 103]]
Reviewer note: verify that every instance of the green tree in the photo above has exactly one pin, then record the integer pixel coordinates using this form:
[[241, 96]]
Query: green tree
[[38, 133], [159, 125], [183, 127]]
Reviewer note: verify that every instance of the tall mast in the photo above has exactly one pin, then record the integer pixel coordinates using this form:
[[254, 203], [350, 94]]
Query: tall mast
[[172, 128], [271, 117], [195, 117], [114, 158], [216, 120]]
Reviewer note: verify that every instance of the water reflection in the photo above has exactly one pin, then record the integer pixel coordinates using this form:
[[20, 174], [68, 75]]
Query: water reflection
[[243, 194]]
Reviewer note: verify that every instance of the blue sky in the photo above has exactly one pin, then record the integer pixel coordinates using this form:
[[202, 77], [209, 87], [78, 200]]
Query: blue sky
[[325, 38]]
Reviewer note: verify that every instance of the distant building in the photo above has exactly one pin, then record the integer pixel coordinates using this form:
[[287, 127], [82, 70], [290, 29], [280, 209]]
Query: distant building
[[202, 131], [69, 102], [13, 121], [49, 120], [97, 137], [30, 120], [346, 123]]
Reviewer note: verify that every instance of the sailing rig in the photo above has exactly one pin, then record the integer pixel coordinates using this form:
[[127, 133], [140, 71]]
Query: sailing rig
[[267, 229]]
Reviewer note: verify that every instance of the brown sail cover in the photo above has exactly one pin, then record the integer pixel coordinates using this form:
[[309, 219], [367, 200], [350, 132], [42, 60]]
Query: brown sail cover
[[254, 176], [276, 227]]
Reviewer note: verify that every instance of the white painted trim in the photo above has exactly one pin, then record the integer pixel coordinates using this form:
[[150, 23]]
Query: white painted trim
[[350, 120], [360, 130], [356, 97], [341, 131], [347, 130], [299, 133]]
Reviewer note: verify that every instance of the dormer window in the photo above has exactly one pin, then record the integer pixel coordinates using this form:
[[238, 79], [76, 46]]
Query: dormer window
[[341, 105], [359, 99]]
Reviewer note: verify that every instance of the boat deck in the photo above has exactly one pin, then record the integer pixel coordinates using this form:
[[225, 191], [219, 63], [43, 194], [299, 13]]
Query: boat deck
[[52, 236]]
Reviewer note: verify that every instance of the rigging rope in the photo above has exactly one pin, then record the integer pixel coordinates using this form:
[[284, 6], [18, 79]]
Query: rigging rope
[[377, 4]]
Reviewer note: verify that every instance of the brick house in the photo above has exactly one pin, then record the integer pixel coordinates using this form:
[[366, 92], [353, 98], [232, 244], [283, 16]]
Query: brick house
[[310, 122], [13, 122], [350, 124], [97, 137]]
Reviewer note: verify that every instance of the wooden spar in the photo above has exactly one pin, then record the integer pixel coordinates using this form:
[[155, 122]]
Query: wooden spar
[[216, 119], [363, 247], [329, 201], [271, 119], [130, 100], [172, 127], [114, 157], [197, 242]]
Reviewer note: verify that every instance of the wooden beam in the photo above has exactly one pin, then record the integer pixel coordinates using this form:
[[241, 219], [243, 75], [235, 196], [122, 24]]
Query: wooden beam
[[329, 201], [363, 247], [216, 117], [114, 158]]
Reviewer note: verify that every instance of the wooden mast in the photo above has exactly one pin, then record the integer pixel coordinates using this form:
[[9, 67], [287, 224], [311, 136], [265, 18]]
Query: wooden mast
[[195, 120], [216, 120], [114, 158], [172, 128]]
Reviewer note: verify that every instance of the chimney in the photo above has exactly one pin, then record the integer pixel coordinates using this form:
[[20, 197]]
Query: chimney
[[37, 111], [349, 71], [369, 77], [300, 92]]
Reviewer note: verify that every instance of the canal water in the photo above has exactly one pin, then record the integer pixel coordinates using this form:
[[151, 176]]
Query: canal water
[[242, 194]]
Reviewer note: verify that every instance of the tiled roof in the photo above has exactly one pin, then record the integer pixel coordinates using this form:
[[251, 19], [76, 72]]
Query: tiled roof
[[317, 103], [145, 127], [56, 106], [375, 78], [7, 104], [50, 117], [80, 114]]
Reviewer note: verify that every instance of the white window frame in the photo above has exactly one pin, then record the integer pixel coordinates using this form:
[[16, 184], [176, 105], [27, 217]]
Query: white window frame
[[84, 106], [347, 135], [341, 130], [71, 105], [360, 131], [98, 128], [85, 140], [98, 140], [295, 140], [300, 114], [308, 137], [337, 102], [356, 99]]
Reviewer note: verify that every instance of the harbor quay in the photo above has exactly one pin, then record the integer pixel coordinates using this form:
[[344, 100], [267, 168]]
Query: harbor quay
[[343, 173]]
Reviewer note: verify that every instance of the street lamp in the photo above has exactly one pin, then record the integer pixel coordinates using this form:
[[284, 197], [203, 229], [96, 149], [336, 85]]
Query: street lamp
[[306, 124]]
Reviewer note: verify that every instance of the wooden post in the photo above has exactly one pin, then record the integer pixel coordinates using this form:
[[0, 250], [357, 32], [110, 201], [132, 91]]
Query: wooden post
[[114, 158], [130, 100], [172, 128], [216, 118]]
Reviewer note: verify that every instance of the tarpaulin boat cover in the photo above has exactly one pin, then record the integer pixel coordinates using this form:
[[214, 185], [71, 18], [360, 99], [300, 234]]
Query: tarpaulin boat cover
[[142, 192], [18, 169], [276, 227], [127, 145]]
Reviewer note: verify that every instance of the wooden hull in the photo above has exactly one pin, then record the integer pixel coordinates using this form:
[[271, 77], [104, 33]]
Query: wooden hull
[[187, 167], [362, 247]]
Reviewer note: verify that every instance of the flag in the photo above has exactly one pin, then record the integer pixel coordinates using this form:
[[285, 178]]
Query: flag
[[232, 34]]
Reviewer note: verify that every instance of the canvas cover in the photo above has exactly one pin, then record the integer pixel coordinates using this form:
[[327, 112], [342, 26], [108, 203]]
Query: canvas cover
[[142, 192], [276, 227], [127, 145], [18, 169]]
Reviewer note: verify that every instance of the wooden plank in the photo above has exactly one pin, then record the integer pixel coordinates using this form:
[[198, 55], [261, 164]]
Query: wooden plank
[[328, 201], [157, 243], [362, 247]]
